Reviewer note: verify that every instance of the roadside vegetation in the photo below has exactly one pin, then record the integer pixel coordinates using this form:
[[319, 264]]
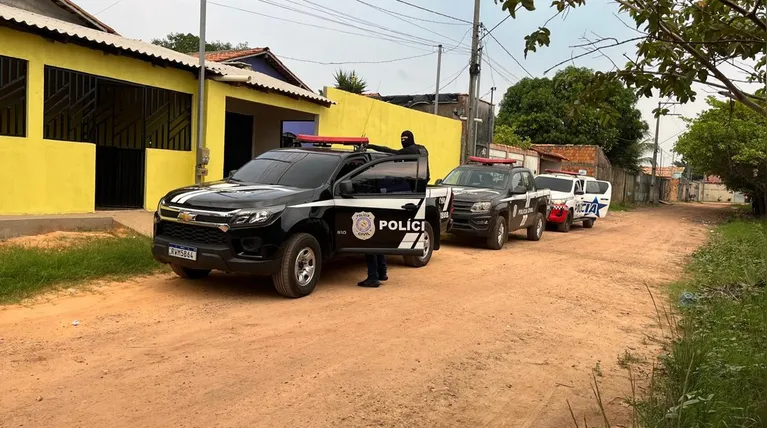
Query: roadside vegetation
[[26, 270], [715, 374]]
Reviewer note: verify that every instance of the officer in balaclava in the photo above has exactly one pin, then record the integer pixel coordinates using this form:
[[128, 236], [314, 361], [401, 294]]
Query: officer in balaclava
[[409, 147]]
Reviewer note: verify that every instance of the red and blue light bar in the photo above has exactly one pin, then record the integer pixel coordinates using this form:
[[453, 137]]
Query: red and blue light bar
[[488, 161], [555, 171]]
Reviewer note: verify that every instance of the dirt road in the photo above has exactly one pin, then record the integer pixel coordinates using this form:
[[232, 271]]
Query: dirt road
[[478, 338]]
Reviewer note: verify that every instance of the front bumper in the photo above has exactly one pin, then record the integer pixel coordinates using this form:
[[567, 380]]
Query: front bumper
[[216, 250], [558, 214], [471, 224]]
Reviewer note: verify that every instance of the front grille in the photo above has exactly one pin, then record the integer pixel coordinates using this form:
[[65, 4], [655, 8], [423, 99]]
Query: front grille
[[191, 233], [208, 218], [462, 206]]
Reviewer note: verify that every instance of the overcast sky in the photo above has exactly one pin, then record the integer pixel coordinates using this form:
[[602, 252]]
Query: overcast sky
[[238, 21]]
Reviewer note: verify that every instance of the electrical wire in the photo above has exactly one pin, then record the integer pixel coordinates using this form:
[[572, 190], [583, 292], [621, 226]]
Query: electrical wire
[[415, 17], [385, 61], [108, 7], [393, 39], [509, 53], [459, 43], [501, 70], [457, 75], [433, 11]]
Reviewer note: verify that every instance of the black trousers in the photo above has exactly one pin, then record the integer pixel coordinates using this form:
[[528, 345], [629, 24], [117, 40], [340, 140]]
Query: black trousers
[[376, 266]]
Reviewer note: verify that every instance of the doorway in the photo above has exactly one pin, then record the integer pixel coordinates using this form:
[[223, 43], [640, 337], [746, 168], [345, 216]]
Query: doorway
[[238, 141]]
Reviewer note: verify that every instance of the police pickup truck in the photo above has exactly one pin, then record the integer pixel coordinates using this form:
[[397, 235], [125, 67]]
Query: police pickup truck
[[493, 197], [575, 198], [289, 210]]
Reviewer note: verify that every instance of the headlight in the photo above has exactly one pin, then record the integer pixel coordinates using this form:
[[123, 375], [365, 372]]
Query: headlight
[[479, 207], [159, 204], [256, 217]]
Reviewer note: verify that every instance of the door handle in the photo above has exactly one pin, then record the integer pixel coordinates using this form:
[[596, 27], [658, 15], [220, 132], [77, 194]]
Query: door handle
[[602, 199], [410, 207]]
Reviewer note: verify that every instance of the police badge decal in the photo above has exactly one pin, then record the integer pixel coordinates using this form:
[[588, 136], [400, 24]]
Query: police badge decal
[[363, 225]]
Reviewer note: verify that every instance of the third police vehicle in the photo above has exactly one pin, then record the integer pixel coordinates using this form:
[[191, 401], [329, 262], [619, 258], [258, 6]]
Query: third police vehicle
[[287, 211], [575, 198], [494, 197]]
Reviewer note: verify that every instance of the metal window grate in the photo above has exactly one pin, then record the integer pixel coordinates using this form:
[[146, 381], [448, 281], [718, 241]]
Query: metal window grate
[[13, 97]]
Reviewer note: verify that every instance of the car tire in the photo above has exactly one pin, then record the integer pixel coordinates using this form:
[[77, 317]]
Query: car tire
[[588, 224], [565, 226], [499, 234], [188, 273], [535, 231], [421, 261], [300, 266]]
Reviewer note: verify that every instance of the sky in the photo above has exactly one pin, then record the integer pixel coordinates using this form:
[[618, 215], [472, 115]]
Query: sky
[[302, 46]]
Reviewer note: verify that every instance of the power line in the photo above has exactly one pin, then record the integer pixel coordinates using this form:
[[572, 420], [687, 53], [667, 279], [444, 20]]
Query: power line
[[459, 43], [512, 56], [433, 11], [108, 7], [385, 61], [457, 75], [398, 40], [496, 25], [413, 17], [499, 68]]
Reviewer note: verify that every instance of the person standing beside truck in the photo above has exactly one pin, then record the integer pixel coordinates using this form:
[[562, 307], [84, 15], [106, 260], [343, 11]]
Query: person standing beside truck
[[376, 263]]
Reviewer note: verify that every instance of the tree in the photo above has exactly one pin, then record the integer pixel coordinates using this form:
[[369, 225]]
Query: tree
[[190, 43], [506, 135], [349, 81], [678, 42], [549, 111], [729, 140]]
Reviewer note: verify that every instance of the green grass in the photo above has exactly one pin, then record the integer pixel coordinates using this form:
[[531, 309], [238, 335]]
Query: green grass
[[620, 206], [716, 372], [26, 271]]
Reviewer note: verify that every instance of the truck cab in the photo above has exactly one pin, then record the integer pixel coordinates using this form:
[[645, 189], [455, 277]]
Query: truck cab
[[289, 210], [494, 197], [575, 198]]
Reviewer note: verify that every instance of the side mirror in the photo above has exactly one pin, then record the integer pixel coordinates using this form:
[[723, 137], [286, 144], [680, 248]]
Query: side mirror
[[346, 187], [438, 182], [519, 190]]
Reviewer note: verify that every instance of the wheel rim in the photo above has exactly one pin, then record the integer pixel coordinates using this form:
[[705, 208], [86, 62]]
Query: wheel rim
[[305, 265], [539, 227], [426, 246], [501, 231]]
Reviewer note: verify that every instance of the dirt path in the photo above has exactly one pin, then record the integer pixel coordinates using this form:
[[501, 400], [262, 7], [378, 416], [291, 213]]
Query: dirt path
[[478, 338]]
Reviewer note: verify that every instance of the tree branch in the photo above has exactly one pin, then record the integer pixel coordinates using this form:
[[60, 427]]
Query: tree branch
[[750, 15]]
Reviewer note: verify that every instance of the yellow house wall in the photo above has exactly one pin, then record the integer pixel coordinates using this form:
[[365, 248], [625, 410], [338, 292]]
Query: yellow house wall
[[357, 115]]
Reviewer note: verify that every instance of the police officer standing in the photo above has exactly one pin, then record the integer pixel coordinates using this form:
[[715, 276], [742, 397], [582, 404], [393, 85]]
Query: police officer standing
[[376, 262]]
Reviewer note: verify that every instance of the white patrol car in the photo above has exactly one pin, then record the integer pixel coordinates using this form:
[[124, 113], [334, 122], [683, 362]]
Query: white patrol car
[[575, 198]]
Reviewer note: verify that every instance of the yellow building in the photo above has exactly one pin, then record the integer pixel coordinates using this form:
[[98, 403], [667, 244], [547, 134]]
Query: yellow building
[[92, 120]]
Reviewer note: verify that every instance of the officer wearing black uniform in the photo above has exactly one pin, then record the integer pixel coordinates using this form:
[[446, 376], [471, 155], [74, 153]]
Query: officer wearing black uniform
[[377, 263]]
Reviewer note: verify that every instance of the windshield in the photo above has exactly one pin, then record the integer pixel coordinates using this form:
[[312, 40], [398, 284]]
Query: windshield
[[287, 168], [484, 178], [555, 184]]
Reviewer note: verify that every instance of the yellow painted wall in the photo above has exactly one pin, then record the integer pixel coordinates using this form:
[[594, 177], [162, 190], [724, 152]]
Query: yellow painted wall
[[357, 115], [169, 170]]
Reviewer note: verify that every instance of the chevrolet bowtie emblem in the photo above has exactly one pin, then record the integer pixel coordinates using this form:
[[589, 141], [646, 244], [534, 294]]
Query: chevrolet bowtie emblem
[[185, 216]]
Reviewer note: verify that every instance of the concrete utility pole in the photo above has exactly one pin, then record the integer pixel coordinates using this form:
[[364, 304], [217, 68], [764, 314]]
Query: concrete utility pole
[[201, 93], [491, 129], [476, 105], [653, 190], [436, 91], [473, 72]]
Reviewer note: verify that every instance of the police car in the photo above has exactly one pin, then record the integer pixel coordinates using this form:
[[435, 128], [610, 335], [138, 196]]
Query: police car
[[575, 198], [494, 197], [289, 210]]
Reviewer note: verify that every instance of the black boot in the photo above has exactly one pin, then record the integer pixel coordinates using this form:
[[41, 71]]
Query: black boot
[[370, 283], [382, 275]]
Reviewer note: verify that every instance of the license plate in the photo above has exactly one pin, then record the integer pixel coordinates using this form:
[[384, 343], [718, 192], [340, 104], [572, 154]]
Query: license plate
[[182, 252]]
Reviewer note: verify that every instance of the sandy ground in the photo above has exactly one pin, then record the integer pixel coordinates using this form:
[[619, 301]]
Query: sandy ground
[[478, 338]]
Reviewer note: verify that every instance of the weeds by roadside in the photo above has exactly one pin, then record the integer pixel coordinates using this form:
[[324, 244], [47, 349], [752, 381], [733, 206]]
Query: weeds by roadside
[[621, 206], [716, 372], [27, 270]]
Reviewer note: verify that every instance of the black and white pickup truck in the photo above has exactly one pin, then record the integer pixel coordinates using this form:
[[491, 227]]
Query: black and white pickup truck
[[287, 211], [493, 197]]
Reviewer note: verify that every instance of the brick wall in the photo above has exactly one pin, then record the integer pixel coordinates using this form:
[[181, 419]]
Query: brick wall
[[590, 158], [528, 158]]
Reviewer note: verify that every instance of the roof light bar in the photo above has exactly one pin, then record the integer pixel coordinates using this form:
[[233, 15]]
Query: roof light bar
[[555, 171], [488, 161], [344, 141]]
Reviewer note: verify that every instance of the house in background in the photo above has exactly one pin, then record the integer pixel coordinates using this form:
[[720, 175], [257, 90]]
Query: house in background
[[714, 190], [454, 106], [534, 159], [265, 61], [64, 10]]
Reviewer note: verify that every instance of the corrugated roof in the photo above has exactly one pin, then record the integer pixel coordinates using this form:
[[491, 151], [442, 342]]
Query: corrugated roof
[[221, 56], [149, 51]]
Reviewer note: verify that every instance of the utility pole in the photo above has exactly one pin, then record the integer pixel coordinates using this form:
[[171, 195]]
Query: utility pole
[[491, 129], [473, 72], [653, 190], [436, 91], [201, 95], [476, 105]]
